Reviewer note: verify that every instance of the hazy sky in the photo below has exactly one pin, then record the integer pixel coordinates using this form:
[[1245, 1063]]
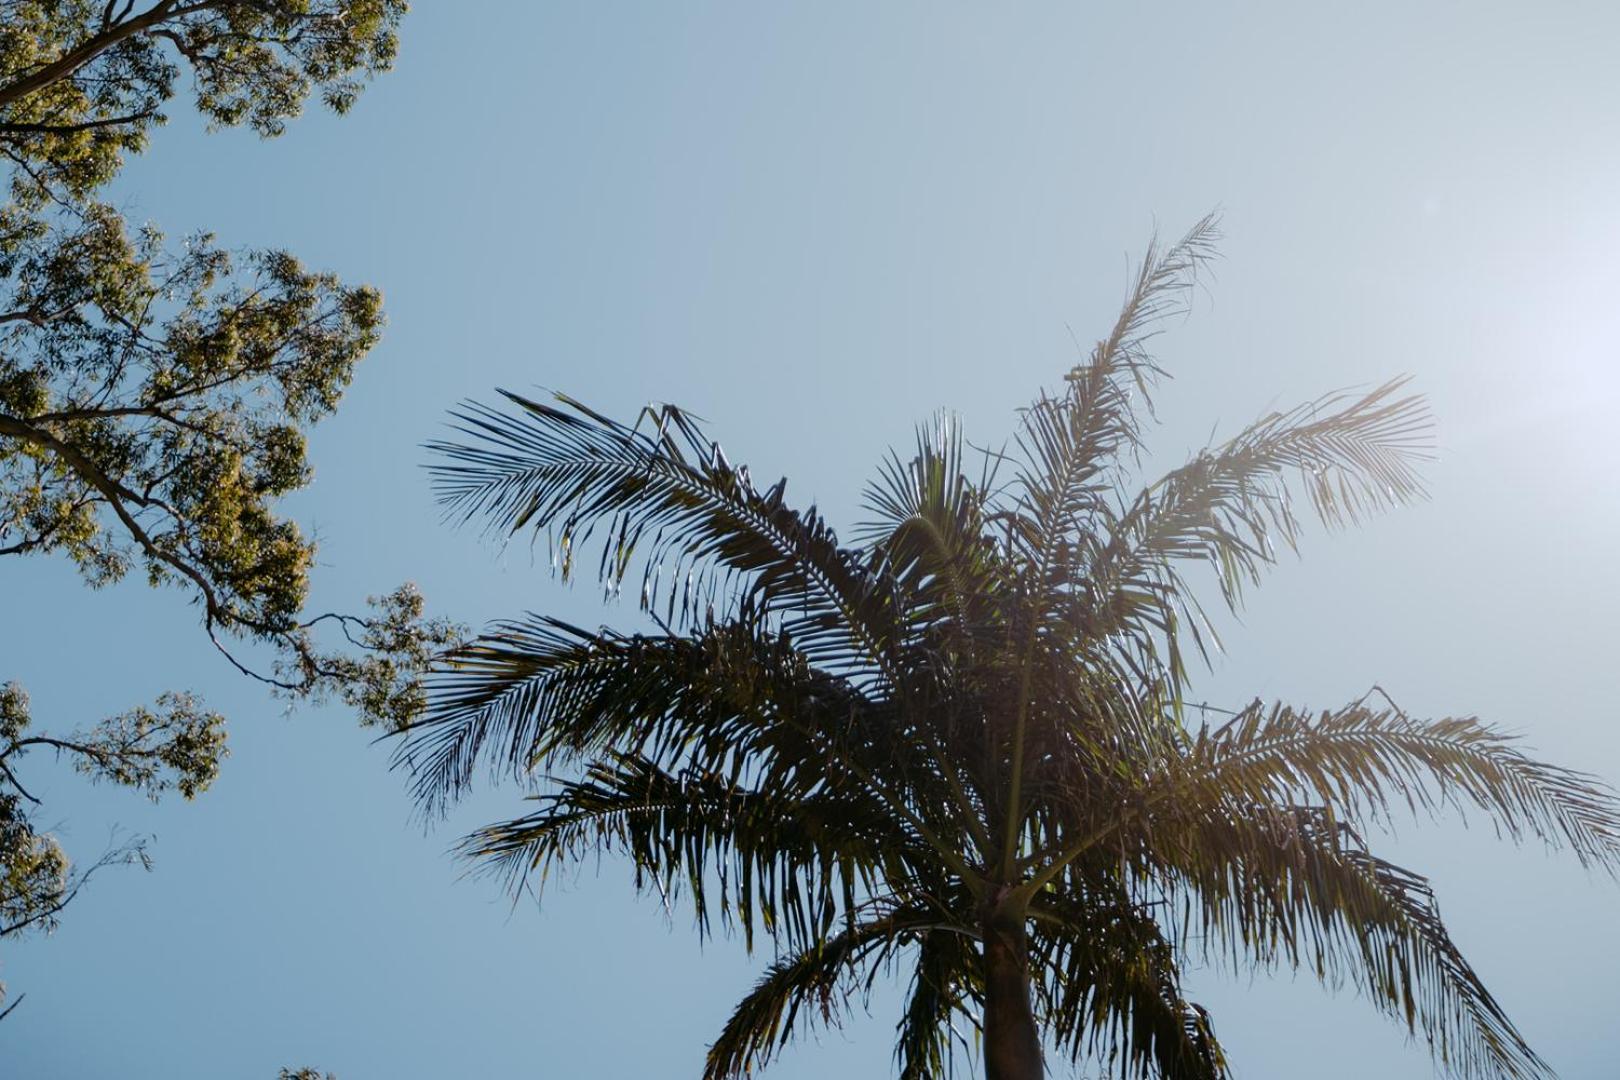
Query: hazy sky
[[814, 224]]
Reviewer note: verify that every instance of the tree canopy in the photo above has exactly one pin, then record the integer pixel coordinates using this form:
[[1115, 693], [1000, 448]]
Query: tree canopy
[[961, 744], [155, 396]]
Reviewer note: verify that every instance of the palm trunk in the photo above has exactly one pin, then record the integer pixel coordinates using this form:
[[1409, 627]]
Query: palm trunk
[[1012, 1044]]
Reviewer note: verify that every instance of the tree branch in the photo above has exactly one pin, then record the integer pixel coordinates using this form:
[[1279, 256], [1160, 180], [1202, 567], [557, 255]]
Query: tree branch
[[68, 129], [64, 66]]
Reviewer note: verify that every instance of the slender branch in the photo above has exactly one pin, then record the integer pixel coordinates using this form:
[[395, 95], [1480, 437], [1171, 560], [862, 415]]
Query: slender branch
[[12, 777], [22, 546], [118, 854], [71, 61], [63, 746], [68, 129], [116, 495], [108, 16], [216, 613]]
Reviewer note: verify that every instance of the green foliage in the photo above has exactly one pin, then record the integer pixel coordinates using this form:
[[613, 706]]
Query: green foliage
[[175, 746], [179, 746], [380, 675], [83, 83], [153, 410], [156, 397], [35, 867], [968, 728]]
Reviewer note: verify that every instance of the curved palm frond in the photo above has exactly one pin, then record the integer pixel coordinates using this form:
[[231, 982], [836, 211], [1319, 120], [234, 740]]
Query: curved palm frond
[[533, 691], [1353, 455], [927, 531], [1293, 884], [818, 977], [930, 493], [1072, 444], [728, 698], [572, 471], [945, 975], [1357, 760], [1111, 988], [788, 861]]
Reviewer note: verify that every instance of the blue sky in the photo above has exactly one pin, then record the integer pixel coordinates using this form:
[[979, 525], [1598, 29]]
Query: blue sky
[[814, 225]]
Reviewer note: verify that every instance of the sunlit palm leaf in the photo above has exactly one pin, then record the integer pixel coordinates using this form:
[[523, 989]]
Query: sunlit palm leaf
[[1073, 444], [662, 492], [1295, 886], [1358, 759], [1232, 505]]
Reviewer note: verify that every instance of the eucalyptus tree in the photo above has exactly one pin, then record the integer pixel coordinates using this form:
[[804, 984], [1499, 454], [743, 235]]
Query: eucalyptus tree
[[155, 398], [960, 742]]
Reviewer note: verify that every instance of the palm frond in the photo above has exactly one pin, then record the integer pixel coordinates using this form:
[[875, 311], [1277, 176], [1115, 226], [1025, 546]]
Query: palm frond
[[1232, 505], [931, 491], [928, 533], [1072, 444], [1357, 760], [1164, 279], [1292, 884], [661, 493], [540, 690], [1110, 987], [946, 971], [817, 978], [787, 862]]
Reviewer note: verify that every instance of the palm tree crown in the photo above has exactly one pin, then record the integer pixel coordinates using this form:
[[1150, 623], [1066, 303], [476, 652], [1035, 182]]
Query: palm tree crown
[[960, 742]]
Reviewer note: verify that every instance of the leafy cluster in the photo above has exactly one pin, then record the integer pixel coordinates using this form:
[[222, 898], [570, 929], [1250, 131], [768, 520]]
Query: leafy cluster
[[36, 870], [84, 82], [380, 675], [154, 405], [156, 397], [175, 746], [153, 410], [961, 743]]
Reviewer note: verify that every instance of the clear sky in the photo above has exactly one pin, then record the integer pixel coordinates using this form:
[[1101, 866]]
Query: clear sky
[[814, 224]]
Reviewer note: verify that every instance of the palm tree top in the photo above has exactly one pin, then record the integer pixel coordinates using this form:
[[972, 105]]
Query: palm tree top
[[961, 739]]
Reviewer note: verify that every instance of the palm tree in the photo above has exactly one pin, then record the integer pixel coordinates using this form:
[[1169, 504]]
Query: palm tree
[[961, 743]]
